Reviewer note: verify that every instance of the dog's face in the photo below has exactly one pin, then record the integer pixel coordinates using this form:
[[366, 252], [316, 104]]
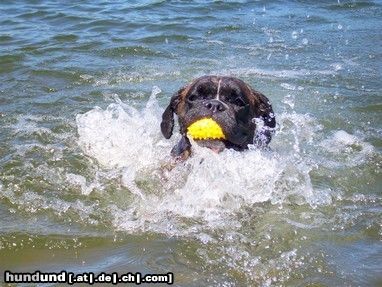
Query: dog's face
[[229, 102]]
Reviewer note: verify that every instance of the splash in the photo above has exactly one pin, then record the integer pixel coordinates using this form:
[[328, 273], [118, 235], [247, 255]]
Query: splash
[[121, 136], [208, 186], [125, 168], [347, 149]]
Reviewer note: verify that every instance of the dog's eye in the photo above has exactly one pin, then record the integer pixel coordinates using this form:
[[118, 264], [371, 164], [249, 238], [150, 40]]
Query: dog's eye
[[195, 97], [192, 98], [239, 102]]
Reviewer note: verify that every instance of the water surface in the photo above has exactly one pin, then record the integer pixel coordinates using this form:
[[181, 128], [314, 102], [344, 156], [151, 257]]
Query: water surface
[[82, 184]]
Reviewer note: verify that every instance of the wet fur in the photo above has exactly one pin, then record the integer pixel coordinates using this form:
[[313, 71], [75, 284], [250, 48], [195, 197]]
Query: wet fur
[[237, 120]]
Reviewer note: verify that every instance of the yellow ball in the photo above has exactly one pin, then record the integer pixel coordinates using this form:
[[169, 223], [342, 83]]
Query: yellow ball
[[205, 128]]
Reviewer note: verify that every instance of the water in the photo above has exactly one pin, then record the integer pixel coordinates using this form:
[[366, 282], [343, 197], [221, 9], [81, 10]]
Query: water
[[83, 183]]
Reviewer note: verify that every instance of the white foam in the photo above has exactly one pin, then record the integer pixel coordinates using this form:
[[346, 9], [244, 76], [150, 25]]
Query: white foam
[[80, 181], [28, 124], [121, 136], [288, 86], [250, 71], [349, 150], [208, 186]]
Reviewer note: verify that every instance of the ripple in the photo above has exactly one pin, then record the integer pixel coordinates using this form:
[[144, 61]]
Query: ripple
[[131, 51], [352, 5], [225, 28], [165, 39], [318, 19], [87, 46], [10, 62], [66, 38], [65, 19], [6, 38], [34, 14], [56, 77], [102, 25], [143, 5]]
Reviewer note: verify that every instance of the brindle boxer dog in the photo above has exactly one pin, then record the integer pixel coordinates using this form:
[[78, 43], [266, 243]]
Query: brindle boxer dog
[[245, 115]]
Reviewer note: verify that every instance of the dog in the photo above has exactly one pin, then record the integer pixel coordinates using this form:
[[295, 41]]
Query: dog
[[244, 114]]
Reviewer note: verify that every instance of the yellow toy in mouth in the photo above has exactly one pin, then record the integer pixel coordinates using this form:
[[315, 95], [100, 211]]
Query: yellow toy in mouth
[[205, 128]]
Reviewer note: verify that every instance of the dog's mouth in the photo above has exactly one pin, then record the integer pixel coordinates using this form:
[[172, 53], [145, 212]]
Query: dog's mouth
[[207, 132], [215, 145], [206, 128]]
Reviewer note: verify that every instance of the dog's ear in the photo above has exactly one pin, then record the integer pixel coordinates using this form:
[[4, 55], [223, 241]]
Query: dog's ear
[[266, 120], [167, 124]]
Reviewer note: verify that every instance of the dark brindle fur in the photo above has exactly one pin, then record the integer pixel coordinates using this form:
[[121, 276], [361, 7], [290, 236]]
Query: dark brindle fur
[[233, 104]]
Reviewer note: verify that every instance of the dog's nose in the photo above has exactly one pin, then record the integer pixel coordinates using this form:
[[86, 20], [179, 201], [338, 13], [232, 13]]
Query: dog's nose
[[215, 106]]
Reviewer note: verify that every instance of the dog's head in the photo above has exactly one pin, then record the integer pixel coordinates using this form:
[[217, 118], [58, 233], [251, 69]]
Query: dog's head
[[245, 115]]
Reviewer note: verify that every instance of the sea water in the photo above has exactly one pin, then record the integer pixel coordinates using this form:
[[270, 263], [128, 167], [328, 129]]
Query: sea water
[[84, 178]]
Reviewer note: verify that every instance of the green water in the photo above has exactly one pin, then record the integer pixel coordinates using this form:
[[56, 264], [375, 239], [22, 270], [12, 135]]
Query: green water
[[82, 187]]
